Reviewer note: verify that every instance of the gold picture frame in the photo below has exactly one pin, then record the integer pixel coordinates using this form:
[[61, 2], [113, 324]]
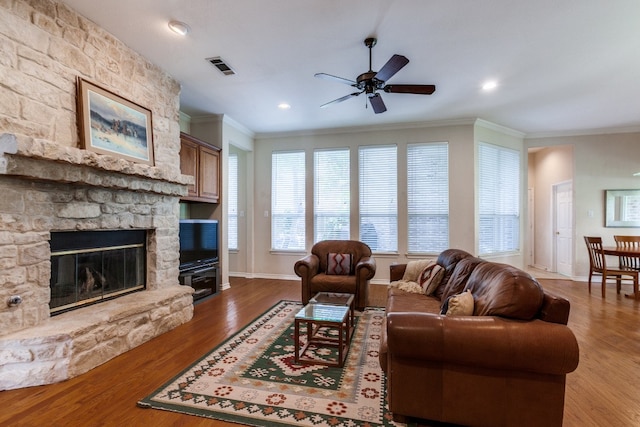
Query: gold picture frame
[[110, 124]]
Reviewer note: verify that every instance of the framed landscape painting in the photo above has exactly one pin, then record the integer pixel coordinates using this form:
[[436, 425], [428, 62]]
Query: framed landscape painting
[[110, 124]]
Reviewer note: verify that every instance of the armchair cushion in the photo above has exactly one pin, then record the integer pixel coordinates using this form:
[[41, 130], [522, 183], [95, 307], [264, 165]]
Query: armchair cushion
[[313, 270], [339, 264]]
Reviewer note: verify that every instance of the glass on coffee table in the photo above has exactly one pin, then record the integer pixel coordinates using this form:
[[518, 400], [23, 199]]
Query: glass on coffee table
[[337, 298]]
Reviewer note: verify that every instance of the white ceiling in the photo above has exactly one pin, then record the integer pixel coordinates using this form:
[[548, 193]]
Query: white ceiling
[[561, 65]]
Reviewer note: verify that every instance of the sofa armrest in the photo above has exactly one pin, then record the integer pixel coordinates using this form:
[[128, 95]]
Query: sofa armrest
[[482, 342], [554, 309], [366, 268], [396, 272], [307, 267]]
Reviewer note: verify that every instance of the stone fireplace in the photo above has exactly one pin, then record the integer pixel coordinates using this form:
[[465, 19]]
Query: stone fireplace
[[50, 185], [73, 191]]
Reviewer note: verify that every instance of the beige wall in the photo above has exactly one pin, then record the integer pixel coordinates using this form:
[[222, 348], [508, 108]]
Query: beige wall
[[240, 141], [549, 166], [461, 137], [601, 162]]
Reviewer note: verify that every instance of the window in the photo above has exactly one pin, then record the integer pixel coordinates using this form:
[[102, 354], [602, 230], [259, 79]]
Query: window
[[378, 197], [287, 200], [232, 228], [428, 197], [331, 194], [499, 194]]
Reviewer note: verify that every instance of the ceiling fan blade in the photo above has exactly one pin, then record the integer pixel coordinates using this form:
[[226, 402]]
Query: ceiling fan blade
[[377, 104], [392, 66], [417, 89], [326, 76], [344, 98]]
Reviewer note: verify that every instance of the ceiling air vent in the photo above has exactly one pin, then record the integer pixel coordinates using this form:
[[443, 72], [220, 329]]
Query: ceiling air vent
[[219, 63]]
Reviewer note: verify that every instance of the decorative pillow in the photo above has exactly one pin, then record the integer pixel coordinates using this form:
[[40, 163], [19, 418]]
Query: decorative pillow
[[339, 264], [430, 278], [459, 305], [413, 269]]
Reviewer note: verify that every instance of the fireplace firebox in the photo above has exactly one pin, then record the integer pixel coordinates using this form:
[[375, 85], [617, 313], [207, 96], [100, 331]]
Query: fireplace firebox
[[88, 267]]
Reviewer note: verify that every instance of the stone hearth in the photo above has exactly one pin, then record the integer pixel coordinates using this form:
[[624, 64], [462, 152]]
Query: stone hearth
[[47, 187], [49, 183]]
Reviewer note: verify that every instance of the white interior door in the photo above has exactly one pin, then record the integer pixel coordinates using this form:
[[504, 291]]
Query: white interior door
[[563, 206]]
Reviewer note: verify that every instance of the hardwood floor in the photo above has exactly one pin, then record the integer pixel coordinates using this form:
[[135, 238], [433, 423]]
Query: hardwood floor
[[601, 392]]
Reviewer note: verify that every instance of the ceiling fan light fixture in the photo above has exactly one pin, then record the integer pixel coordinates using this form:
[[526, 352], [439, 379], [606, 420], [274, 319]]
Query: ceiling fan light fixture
[[179, 27]]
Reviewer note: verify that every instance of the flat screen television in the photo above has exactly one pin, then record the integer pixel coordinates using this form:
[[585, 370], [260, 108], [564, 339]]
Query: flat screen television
[[198, 242]]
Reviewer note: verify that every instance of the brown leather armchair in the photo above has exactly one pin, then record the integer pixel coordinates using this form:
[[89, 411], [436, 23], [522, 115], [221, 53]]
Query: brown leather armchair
[[313, 270]]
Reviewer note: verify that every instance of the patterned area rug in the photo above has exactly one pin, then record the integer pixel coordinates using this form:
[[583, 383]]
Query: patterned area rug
[[252, 378]]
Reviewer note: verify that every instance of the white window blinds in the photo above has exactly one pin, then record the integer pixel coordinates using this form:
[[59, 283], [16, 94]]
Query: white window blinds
[[232, 213], [499, 194], [378, 185], [287, 200], [428, 197], [331, 194]]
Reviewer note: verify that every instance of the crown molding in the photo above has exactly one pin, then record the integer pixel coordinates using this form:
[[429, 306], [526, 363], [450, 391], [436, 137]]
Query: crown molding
[[185, 117], [209, 118], [584, 132], [499, 128], [370, 128], [238, 126]]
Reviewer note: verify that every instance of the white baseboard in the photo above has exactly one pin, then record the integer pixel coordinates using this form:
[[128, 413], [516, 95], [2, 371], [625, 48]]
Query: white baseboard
[[288, 277]]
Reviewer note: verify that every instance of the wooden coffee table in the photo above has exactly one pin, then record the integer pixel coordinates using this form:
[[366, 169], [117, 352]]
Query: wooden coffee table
[[316, 316], [337, 298]]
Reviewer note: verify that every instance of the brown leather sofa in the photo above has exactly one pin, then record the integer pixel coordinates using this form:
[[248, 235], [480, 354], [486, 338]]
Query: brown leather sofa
[[312, 269], [503, 366]]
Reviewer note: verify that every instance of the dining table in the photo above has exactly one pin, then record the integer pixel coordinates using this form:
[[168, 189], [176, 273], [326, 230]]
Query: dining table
[[623, 251]]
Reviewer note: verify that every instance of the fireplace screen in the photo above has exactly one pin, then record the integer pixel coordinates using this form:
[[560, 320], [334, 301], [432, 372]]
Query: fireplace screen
[[92, 266]]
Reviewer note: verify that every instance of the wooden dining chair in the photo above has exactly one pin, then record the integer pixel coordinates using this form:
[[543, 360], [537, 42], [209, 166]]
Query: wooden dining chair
[[629, 242], [598, 265]]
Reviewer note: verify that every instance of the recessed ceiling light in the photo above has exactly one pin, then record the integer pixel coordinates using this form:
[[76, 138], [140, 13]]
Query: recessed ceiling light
[[284, 106], [179, 27], [490, 85]]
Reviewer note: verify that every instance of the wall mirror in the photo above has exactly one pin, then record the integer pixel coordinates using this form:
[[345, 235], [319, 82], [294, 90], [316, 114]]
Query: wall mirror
[[622, 208]]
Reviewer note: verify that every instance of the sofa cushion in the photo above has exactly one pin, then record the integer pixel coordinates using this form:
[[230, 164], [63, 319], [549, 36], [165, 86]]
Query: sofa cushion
[[430, 278], [461, 274], [399, 301], [504, 290], [339, 264], [448, 259], [459, 305]]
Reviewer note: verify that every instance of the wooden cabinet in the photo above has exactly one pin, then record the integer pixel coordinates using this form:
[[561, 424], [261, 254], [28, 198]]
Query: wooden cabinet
[[201, 160]]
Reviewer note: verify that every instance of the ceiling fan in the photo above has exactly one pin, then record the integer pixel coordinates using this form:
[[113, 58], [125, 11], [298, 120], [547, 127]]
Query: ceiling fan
[[371, 82]]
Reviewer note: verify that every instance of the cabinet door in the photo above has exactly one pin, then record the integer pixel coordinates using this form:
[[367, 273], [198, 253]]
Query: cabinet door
[[209, 173], [189, 164]]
